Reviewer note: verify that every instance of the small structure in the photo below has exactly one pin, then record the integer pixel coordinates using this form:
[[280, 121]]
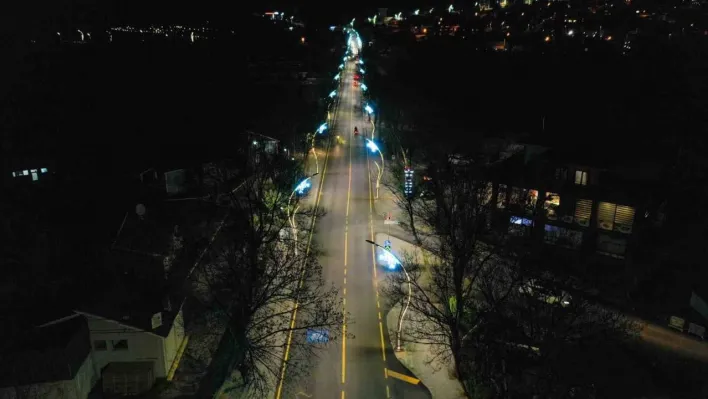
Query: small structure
[[52, 361]]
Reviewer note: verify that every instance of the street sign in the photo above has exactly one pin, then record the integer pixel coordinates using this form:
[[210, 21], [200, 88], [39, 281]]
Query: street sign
[[408, 185], [317, 336], [387, 245]]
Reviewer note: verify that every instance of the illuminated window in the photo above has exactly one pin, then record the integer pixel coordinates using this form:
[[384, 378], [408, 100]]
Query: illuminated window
[[531, 199], [501, 196], [519, 226], [583, 210], [486, 194], [551, 204], [34, 175], [581, 178], [615, 217], [44, 170], [518, 196]]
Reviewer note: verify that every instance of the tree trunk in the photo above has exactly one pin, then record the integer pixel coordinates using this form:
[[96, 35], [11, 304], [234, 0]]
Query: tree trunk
[[457, 357]]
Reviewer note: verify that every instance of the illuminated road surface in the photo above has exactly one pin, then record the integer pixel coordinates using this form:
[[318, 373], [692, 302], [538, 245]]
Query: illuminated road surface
[[355, 367]]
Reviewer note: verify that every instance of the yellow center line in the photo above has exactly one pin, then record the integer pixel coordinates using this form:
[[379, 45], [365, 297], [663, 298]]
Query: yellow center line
[[346, 246], [286, 356]]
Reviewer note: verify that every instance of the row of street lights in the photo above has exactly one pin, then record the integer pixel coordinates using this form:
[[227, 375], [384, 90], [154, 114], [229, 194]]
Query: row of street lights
[[305, 184]]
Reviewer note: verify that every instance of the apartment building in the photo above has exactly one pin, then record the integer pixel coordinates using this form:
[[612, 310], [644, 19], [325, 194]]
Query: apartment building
[[579, 203]]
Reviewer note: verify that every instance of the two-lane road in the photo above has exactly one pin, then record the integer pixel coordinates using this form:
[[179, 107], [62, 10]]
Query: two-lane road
[[355, 367]]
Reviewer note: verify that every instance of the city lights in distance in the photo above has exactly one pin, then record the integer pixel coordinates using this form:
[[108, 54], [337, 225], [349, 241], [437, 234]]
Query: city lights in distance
[[369, 109], [322, 128]]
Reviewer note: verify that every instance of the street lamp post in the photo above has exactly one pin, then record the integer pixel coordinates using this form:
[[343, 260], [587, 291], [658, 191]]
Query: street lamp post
[[304, 184], [373, 147], [320, 130], [370, 111], [402, 315]]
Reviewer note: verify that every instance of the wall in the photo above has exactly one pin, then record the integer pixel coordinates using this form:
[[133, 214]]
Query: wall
[[78, 388], [173, 340], [142, 346]]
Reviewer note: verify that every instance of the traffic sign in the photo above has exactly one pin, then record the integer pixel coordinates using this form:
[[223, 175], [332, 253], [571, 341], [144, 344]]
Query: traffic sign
[[387, 245], [408, 185]]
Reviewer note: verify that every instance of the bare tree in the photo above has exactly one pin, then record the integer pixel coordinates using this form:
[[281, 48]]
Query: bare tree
[[254, 279], [549, 340], [451, 300], [485, 303]]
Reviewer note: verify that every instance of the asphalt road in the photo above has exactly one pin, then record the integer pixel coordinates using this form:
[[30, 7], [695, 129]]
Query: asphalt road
[[359, 366]]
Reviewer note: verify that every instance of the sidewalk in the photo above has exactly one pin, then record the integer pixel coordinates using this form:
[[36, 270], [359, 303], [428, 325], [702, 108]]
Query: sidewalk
[[438, 377]]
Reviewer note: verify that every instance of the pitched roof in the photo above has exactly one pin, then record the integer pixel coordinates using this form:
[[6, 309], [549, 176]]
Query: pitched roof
[[52, 352], [134, 304]]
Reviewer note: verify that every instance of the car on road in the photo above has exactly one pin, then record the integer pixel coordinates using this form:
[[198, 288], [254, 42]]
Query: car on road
[[544, 293]]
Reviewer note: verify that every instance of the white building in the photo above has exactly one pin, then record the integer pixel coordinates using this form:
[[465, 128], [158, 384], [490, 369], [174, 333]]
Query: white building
[[53, 361], [130, 339]]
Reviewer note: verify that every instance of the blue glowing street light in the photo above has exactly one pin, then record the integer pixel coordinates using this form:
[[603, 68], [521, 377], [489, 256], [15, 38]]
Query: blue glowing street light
[[369, 109], [363, 87], [333, 93], [336, 77], [361, 70], [322, 128], [388, 258], [300, 189], [341, 66], [303, 186]]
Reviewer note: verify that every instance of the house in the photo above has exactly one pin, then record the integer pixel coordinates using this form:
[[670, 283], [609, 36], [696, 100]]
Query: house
[[136, 326], [136, 317], [51, 361], [599, 208]]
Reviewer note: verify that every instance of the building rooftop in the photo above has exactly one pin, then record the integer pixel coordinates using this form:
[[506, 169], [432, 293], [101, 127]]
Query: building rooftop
[[140, 303], [53, 352]]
